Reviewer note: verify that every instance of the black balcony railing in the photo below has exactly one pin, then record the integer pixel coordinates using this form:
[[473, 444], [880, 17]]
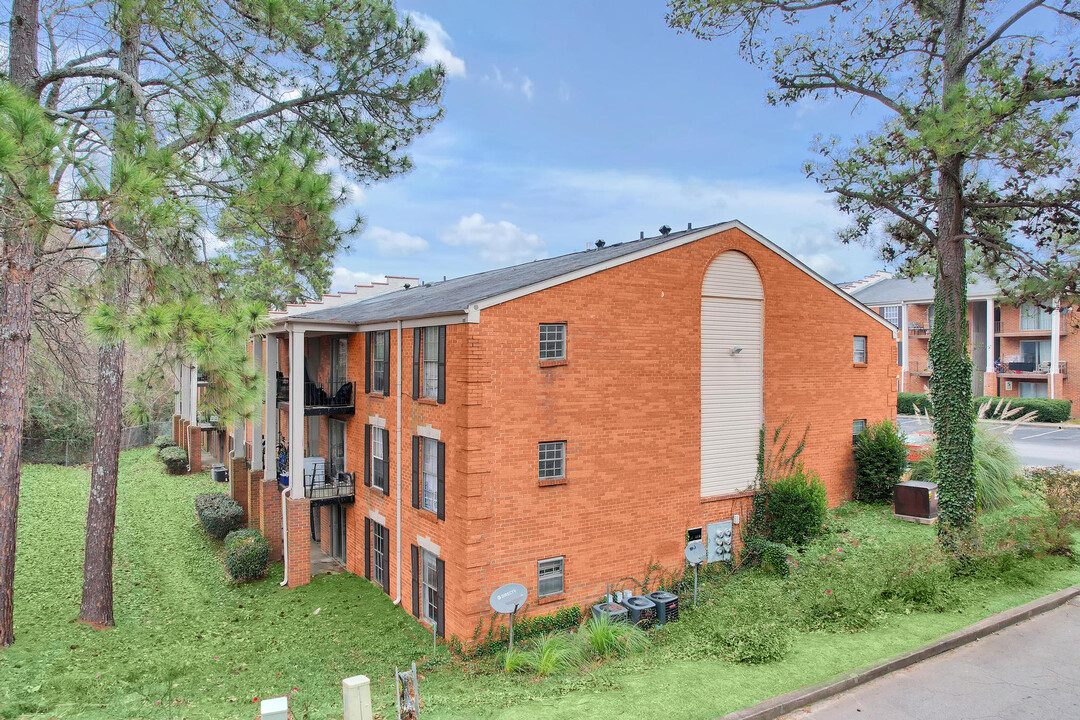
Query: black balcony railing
[[320, 486], [318, 400]]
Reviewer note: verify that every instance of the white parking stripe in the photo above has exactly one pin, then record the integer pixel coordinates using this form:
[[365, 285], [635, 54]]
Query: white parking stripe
[[1048, 432]]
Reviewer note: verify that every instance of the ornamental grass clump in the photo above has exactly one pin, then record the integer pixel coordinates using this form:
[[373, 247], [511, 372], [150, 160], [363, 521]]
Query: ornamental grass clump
[[552, 653], [997, 467], [607, 638], [175, 459], [247, 554], [219, 514], [880, 460]]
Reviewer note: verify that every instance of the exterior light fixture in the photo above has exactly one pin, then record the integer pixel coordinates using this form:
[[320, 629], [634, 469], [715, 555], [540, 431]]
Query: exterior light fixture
[[736, 350]]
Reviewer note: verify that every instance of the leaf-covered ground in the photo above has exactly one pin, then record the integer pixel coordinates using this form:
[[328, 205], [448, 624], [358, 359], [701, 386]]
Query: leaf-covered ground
[[191, 644]]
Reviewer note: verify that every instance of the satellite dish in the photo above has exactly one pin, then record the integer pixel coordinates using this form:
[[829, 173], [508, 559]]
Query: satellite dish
[[695, 553], [509, 598]]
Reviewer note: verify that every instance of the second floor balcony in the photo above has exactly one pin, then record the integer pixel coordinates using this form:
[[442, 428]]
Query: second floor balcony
[[335, 399]]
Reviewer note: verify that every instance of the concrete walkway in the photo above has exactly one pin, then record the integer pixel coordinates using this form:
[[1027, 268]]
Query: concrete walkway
[[1029, 670]]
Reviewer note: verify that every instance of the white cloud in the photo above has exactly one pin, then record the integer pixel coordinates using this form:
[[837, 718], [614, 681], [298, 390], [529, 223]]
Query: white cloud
[[497, 242], [513, 81], [437, 49], [346, 279], [393, 242]]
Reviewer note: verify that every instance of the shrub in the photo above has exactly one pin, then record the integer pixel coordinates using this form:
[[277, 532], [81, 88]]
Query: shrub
[[997, 467], [760, 552], [880, 460], [175, 459], [247, 554], [607, 638], [163, 441], [756, 644], [1060, 488], [795, 509], [906, 403], [219, 514]]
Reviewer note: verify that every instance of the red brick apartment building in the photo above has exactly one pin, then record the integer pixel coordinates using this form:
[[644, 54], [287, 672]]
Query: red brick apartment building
[[561, 423], [1018, 350]]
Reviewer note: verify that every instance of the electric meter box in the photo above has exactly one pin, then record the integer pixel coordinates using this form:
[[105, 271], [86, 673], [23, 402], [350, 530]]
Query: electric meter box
[[719, 541]]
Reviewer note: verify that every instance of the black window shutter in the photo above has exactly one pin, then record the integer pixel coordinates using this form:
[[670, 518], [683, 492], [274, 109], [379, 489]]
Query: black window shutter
[[415, 581], [386, 343], [367, 361], [386, 560], [416, 471], [440, 582], [442, 481], [367, 455], [386, 461], [367, 548], [442, 363], [417, 333]]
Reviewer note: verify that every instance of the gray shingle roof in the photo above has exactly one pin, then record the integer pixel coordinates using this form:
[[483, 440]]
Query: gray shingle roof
[[456, 294], [896, 290]]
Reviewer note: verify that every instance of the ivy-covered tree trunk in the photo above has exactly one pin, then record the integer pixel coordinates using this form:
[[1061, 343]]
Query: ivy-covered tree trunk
[[951, 381], [97, 593], [15, 305]]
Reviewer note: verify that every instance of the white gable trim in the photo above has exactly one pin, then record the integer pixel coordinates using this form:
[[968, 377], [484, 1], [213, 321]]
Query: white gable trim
[[683, 239]]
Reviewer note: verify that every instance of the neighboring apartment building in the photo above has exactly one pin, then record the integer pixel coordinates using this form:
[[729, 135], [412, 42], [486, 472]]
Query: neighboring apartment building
[[561, 423], [1017, 350]]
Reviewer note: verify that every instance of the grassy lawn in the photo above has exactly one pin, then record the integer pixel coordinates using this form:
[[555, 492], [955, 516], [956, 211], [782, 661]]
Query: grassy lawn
[[190, 643]]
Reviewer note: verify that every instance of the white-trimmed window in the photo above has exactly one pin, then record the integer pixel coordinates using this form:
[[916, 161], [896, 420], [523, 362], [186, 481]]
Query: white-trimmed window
[[552, 460], [380, 466], [549, 577], [892, 314], [429, 587], [860, 349], [1034, 390], [857, 429], [1033, 317], [380, 558], [431, 363], [553, 341], [380, 364], [430, 458]]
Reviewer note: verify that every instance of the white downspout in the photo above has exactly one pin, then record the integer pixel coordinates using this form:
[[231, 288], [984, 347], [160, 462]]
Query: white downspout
[[285, 533], [400, 342]]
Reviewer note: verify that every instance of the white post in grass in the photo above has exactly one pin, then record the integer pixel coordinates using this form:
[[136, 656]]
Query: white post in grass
[[357, 694], [274, 709]]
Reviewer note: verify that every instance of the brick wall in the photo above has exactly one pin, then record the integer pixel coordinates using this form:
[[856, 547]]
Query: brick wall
[[194, 448], [299, 518], [270, 517], [238, 474]]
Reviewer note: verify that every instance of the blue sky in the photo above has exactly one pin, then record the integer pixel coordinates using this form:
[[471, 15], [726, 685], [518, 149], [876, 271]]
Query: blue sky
[[567, 122]]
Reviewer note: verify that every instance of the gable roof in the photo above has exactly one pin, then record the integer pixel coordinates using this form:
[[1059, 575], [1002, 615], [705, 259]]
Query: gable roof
[[918, 289], [492, 287]]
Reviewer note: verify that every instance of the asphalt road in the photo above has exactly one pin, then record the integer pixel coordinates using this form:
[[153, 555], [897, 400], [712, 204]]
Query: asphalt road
[[1030, 670], [1035, 445]]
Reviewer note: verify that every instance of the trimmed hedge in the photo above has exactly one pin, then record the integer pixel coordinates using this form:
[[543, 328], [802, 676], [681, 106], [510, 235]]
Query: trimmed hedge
[[163, 441], [219, 514], [880, 460], [1049, 410], [247, 554], [175, 459]]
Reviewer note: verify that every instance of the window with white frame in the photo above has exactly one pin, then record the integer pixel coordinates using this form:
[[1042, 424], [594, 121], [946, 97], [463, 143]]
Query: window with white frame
[[860, 349], [553, 341], [380, 465], [431, 363], [339, 362], [857, 429], [892, 314], [1034, 390], [380, 364], [429, 587], [380, 556], [552, 460], [430, 461], [549, 577], [1033, 317], [1035, 352]]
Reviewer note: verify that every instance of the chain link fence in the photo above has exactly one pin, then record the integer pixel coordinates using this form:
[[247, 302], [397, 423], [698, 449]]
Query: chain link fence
[[78, 452]]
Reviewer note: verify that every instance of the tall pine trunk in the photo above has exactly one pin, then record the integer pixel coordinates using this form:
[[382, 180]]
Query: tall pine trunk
[[19, 253], [951, 381], [97, 592]]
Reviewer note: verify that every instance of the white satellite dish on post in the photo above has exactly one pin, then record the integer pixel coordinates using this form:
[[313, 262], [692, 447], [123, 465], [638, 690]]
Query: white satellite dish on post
[[695, 555], [507, 600]]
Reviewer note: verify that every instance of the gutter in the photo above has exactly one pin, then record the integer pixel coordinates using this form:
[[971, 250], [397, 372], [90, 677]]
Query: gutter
[[400, 342]]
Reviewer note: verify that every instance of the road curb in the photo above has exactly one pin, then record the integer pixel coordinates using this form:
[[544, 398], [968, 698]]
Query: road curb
[[783, 704], [1047, 425]]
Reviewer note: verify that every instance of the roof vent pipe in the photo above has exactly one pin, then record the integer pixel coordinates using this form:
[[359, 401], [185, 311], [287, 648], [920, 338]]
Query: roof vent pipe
[[689, 226], [642, 235]]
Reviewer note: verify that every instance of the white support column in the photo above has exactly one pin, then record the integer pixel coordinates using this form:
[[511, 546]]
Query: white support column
[[904, 346], [296, 413], [178, 389], [193, 406], [257, 452], [185, 390], [271, 365], [1055, 347]]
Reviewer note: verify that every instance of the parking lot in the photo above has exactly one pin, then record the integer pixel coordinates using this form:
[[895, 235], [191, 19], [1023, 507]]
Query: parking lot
[[1035, 445]]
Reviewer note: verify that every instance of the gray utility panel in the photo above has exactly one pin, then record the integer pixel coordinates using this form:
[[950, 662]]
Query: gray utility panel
[[718, 541]]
